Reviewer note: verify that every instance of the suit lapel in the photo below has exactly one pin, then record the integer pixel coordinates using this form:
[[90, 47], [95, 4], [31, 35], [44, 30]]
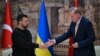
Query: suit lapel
[[79, 27], [73, 29]]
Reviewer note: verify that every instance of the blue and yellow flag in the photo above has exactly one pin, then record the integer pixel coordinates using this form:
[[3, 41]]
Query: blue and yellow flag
[[43, 33]]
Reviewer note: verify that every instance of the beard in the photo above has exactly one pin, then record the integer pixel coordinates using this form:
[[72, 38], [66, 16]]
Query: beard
[[25, 26]]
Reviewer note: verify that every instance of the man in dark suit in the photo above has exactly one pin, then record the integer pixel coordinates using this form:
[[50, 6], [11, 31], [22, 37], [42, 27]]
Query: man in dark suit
[[82, 33], [22, 39]]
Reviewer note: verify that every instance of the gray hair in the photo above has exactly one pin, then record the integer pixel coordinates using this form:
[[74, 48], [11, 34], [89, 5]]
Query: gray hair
[[76, 10]]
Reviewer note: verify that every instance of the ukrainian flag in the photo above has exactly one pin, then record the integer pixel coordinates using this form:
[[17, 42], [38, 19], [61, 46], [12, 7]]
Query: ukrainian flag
[[43, 33]]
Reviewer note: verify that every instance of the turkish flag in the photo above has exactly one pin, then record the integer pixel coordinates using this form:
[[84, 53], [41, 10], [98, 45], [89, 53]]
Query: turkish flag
[[76, 3], [70, 50], [7, 27]]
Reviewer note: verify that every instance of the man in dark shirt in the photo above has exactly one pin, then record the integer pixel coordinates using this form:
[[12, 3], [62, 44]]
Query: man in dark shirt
[[22, 39]]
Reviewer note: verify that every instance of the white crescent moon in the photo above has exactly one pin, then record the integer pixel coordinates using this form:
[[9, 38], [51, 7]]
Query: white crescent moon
[[7, 27]]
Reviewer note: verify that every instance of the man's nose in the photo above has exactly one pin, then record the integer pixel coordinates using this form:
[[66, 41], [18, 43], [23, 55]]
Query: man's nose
[[27, 22]]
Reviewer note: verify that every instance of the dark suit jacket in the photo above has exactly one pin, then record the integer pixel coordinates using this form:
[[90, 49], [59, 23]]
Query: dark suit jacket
[[85, 37], [22, 43]]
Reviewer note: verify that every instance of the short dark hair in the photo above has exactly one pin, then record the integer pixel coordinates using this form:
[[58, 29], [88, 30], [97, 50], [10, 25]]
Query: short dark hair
[[20, 17]]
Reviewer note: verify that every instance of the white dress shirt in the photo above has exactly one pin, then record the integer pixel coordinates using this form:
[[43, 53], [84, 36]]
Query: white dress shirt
[[77, 25]]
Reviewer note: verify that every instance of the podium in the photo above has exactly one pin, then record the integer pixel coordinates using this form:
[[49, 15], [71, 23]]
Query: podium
[[6, 52], [97, 50]]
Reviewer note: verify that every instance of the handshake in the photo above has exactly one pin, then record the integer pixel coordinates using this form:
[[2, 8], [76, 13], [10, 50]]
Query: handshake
[[52, 42], [47, 44]]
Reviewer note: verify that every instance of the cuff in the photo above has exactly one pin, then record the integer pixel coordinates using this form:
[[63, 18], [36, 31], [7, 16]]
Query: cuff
[[54, 40]]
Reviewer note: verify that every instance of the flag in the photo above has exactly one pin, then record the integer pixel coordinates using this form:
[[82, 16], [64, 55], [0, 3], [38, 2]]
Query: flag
[[43, 33], [71, 49], [7, 27], [75, 3]]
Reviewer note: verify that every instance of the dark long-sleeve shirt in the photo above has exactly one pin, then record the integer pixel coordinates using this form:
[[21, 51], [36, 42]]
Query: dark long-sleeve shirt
[[22, 43]]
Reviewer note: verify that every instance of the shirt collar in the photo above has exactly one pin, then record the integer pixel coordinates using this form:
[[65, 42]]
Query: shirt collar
[[79, 20]]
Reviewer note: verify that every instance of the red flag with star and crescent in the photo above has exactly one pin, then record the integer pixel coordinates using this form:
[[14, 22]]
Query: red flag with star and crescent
[[71, 49], [7, 27]]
